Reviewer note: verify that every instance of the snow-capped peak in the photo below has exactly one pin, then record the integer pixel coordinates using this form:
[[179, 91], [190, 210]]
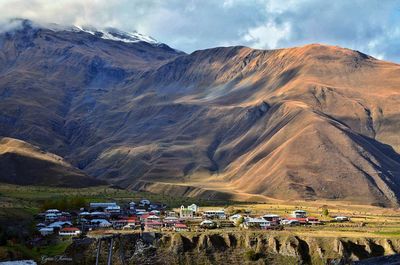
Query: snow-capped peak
[[118, 35]]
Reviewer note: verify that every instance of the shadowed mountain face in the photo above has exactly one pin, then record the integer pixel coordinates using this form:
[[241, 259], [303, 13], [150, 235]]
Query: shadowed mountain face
[[25, 164], [310, 122]]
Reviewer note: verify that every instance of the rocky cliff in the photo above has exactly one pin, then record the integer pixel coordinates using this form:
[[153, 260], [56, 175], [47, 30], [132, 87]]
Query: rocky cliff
[[232, 248]]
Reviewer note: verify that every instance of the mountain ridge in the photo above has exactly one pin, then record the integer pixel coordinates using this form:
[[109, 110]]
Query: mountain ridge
[[314, 122]]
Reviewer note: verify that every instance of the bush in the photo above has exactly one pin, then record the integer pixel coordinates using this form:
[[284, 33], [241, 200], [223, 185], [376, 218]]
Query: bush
[[325, 212], [251, 255]]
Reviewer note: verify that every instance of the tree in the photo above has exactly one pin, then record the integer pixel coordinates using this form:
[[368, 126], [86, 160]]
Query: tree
[[325, 212]]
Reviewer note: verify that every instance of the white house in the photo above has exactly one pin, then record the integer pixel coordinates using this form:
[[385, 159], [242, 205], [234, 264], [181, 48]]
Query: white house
[[218, 214], [256, 222], [69, 231], [299, 214], [185, 213], [342, 218], [102, 205], [235, 217], [194, 208], [113, 209], [272, 217]]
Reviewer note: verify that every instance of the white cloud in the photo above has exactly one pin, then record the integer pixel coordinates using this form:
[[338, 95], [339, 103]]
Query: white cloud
[[371, 26]]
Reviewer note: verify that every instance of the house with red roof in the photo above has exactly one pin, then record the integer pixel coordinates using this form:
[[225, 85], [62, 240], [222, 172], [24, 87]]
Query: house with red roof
[[69, 231]]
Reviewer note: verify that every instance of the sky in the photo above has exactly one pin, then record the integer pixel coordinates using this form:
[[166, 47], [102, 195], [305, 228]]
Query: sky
[[370, 26]]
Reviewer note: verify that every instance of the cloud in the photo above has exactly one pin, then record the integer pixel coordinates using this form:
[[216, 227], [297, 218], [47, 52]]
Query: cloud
[[371, 26]]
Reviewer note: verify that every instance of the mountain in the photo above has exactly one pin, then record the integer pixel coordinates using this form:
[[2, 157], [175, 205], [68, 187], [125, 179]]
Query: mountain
[[25, 164], [311, 122]]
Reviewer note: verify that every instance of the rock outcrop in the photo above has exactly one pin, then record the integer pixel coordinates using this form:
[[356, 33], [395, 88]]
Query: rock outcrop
[[233, 248]]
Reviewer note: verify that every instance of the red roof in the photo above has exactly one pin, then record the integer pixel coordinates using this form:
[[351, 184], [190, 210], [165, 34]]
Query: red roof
[[180, 226], [154, 223], [301, 220], [69, 229]]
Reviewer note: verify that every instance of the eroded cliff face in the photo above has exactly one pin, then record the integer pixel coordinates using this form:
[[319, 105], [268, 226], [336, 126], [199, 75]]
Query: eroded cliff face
[[231, 248]]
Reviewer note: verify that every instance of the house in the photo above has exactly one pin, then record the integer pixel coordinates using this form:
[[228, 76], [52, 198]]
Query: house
[[313, 221], [235, 217], [132, 205], [103, 223], [180, 227], [155, 212], [185, 213], [59, 224], [342, 219], [214, 214], [113, 209], [99, 215], [55, 211], [171, 214], [194, 208], [69, 231], [208, 224], [299, 214], [256, 223], [144, 202], [46, 231], [272, 218], [152, 218], [102, 205], [153, 225], [50, 217], [290, 222], [171, 221]]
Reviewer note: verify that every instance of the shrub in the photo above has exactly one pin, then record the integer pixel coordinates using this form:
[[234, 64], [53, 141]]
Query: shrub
[[251, 255]]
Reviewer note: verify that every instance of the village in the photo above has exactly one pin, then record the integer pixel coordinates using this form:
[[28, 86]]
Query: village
[[146, 216]]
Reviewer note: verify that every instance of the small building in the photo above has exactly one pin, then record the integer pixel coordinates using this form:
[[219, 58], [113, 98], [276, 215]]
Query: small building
[[256, 223], [144, 202], [194, 208], [171, 221], [290, 222], [299, 214], [153, 225], [313, 221], [59, 224], [171, 214], [155, 212], [113, 209], [208, 224], [50, 217], [235, 217], [103, 223], [152, 218], [180, 227], [342, 219], [132, 205], [185, 213], [69, 231], [45, 231], [55, 211], [272, 218], [214, 214]]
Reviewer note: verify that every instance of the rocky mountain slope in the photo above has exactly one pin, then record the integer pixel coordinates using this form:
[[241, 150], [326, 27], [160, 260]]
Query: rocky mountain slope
[[24, 164], [309, 122]]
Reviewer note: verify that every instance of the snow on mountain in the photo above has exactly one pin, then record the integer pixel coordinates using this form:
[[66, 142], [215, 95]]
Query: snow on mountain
[[118, 35]]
